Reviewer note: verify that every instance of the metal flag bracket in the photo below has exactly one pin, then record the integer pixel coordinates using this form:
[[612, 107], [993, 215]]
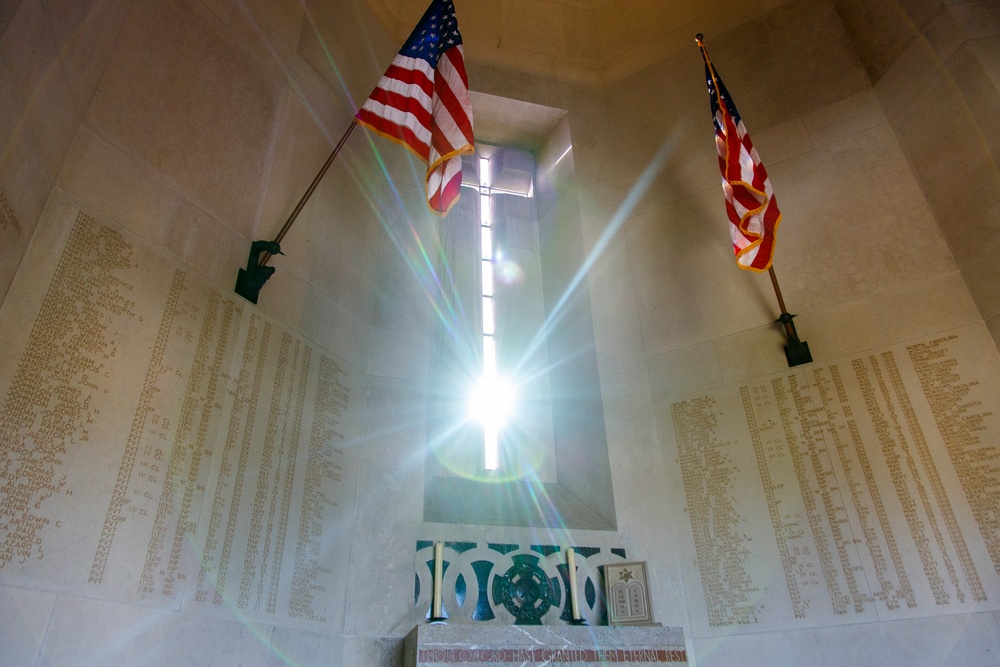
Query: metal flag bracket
[[251, 279], [796, 351]]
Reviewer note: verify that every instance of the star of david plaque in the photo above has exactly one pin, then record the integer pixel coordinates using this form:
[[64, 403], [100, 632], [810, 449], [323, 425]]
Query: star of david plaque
[[627, 594]]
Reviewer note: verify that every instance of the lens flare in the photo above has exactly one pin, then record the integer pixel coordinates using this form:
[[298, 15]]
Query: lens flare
[[508, 272], [492, 401]]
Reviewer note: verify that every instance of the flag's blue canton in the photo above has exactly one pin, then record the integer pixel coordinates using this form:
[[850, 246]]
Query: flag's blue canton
[[438, 32], [713, 98]]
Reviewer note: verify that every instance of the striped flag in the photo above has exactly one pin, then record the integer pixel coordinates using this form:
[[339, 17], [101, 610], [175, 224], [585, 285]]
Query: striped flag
[[753, 212], [422, 102]]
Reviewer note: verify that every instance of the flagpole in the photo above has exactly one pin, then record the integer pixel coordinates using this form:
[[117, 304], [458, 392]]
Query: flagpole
[[249, 281], [777, 289], [700, 41], [312, 187], [796, 351]]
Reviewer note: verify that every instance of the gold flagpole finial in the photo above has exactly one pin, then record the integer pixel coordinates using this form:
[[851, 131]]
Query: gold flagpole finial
[[699, 39]]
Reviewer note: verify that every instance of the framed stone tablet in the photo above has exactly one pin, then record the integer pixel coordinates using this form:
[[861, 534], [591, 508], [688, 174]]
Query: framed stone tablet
[[625, 585]]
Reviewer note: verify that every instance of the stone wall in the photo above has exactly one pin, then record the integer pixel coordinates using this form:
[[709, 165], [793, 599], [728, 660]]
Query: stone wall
[[168, 135]]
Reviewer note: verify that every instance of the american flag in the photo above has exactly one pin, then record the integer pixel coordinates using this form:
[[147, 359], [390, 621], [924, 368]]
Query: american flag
[[422, 101], [753, 212]]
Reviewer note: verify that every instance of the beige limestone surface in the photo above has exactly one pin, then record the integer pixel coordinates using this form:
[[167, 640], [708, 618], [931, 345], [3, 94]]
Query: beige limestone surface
[[191, 126]]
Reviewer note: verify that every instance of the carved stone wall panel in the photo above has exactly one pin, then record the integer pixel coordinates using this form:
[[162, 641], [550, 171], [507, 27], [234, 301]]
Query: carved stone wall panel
[[164, 443], [858, 490]]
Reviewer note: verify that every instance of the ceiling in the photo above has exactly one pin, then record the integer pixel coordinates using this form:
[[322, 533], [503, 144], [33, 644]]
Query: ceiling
[[587, 41]]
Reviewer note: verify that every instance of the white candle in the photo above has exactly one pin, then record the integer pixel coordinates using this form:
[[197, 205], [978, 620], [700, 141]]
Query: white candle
[[437, 611], [574, 599]]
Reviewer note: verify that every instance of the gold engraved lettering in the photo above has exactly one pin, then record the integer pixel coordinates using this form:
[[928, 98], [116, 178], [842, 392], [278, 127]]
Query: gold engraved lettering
[[813, 517], [799, 606], [720, 547], [48, 405], [321, 469], [937, 487], [8, 219], [143, 409], [960, 422], [894, 449], [219, 520], [241, 468], [888, 592]]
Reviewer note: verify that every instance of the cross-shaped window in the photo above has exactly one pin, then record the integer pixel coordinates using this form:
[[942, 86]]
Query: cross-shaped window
[[493, 397]]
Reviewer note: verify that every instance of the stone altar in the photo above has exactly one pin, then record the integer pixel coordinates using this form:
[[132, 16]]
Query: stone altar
[[431, 645]]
